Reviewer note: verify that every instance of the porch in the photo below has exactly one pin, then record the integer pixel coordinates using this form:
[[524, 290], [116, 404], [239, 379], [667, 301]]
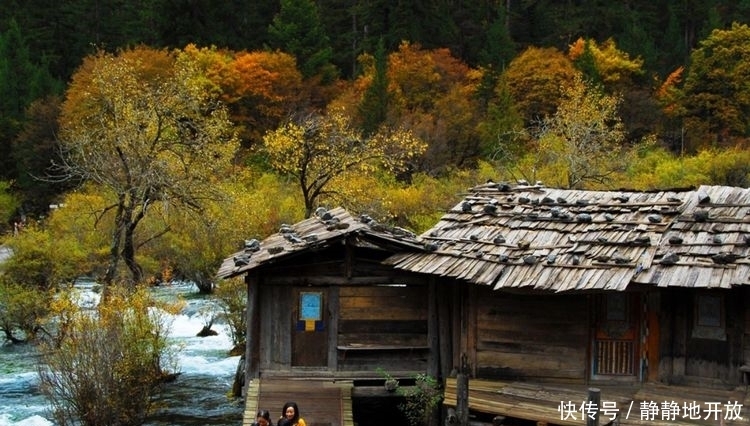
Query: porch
[[648, 404], [322, 402]]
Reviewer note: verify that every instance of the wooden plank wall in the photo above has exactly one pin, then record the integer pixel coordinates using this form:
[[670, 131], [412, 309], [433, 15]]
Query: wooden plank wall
[[383, 326], [541, 337], [686, 358]]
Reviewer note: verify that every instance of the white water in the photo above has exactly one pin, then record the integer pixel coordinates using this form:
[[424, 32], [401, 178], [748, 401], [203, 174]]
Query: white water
[[197, 397]]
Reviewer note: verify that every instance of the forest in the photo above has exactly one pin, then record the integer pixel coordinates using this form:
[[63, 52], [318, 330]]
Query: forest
[[144, 140]]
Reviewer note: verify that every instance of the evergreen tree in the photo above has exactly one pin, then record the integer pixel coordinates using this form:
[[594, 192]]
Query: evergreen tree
[[374, 106], [233, 24], [498, 48], [297, 30], [341, 17], [21, 81], [586, 63]]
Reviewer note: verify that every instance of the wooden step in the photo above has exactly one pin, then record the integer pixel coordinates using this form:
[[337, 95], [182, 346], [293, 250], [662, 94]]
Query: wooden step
[[320, 402]]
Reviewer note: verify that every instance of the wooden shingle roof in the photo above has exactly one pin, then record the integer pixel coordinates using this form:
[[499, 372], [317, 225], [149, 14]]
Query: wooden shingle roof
[[708, 245], [324, 228], [541, 238]]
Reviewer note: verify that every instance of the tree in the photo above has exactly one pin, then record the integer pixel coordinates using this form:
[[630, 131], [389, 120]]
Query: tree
[[605, 63], [8, 202], [231, 296], [298, 30], [21, 82], [105, 368], [29, 278], [433, 94], [716, 96], [143, 126], [34, 151], [373, 109], [317, 150], [22, 308], [583, 139], [534, 79], [261, 89]]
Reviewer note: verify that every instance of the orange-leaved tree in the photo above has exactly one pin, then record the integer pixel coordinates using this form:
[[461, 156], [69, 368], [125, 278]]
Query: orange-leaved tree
[[433, 93], [262, 89], [534, 79]]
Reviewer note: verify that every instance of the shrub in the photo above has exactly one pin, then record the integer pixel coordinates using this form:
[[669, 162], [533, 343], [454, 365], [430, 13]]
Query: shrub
[[421, 399], [110, 362]]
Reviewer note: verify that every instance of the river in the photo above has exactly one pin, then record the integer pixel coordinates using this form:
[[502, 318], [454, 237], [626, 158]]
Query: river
[[197, 397]]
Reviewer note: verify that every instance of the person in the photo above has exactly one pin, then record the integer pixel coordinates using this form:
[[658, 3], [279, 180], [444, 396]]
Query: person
[[263, 418], [290, 415]]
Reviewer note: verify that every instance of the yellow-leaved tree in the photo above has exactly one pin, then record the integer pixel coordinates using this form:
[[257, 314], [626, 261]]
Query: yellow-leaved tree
[[143, 125], [582, 142], [319, 151]]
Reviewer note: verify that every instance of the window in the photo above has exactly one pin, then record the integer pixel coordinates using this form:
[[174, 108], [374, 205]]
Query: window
[[708, 318]]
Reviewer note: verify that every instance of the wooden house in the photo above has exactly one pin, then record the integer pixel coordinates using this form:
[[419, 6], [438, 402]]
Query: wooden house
[[642, 295], [323, 307], [542, 293]]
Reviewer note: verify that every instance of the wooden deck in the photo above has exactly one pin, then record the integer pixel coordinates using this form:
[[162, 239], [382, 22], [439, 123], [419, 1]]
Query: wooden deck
[[542, 403], [322, 402]]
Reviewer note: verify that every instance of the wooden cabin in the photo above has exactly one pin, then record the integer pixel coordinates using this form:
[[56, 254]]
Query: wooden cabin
[[322, 306], [640, 295]]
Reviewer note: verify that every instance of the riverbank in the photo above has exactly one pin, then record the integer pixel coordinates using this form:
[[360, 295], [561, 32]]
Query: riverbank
[[199, 396]]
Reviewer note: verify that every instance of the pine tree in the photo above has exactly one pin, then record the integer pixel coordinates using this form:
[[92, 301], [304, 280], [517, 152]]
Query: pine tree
[[298, 30], [21, 81], [374, 106]]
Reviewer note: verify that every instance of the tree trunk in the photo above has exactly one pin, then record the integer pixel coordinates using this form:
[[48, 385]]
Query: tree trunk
[[114, 249], [128, 256], [128, 249]]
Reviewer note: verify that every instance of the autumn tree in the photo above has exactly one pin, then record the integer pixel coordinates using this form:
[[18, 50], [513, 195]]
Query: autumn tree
[[34, 150], [582, 141], [254, 205], [142, 124], [319, 151], [716, 96], [534, 79], [620, 74], [613, 67], [433, 94], [262, 89], [502, 132]]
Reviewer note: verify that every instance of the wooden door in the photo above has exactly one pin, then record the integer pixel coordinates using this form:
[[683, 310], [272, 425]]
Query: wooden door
[[310, 328], [615, 344]]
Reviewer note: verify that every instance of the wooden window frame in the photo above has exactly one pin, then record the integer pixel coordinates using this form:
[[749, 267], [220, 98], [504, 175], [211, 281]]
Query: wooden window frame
[[709, 317]]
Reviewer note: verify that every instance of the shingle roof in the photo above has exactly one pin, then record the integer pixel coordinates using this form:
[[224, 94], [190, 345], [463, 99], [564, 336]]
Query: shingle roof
[[324, 228], [541, 238], [709, 242]]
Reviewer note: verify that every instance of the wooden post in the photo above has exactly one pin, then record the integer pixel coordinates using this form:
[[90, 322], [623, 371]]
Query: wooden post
[[594, 401], [250, 311], [462, 393]]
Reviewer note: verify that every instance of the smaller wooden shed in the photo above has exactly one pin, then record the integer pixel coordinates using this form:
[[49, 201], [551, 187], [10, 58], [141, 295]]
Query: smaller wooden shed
[[322, 304]]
